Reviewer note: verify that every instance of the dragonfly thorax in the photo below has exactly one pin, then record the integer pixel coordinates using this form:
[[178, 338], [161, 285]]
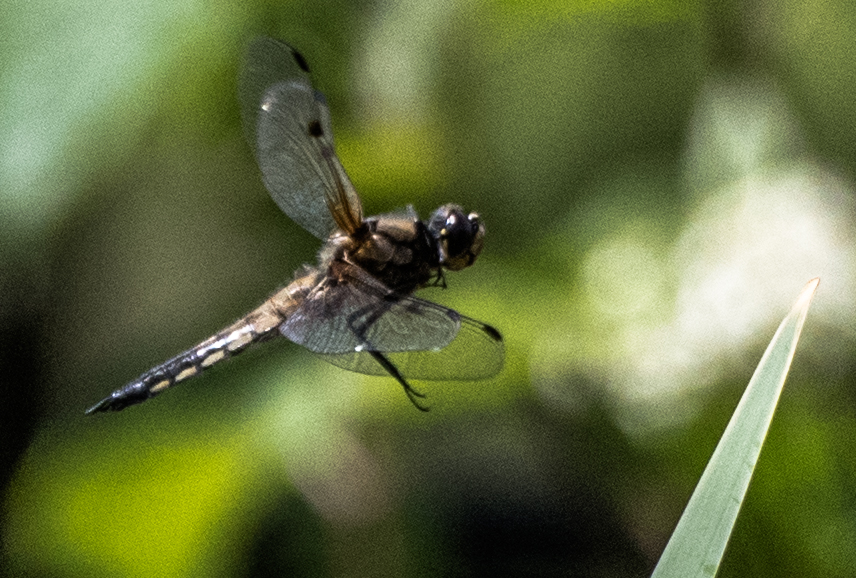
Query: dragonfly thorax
[[396, 249]]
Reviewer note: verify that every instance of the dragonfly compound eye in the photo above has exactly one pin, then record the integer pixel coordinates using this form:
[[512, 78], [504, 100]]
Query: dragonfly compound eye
[[460, 236]]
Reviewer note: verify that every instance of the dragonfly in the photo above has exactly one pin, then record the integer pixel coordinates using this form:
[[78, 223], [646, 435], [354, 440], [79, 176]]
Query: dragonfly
[[356, 307]]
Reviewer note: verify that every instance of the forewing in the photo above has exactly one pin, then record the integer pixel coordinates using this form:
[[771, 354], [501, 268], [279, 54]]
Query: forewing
[[357, 313], [477, 352], [287, 123]]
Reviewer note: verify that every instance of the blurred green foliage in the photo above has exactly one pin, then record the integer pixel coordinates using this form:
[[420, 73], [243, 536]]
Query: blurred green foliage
[[658, 179]]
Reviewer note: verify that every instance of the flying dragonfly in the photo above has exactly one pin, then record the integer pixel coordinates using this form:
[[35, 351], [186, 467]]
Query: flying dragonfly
[[356, 307]]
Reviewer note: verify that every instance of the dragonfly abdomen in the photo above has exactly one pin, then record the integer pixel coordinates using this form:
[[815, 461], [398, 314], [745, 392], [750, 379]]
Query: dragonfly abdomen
[[259, 325]]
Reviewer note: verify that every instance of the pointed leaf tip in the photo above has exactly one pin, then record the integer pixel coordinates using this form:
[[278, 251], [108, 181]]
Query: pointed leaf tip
[[698, 542]]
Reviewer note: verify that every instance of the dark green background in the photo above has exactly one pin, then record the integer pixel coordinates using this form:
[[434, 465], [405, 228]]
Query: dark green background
[[658, 179]]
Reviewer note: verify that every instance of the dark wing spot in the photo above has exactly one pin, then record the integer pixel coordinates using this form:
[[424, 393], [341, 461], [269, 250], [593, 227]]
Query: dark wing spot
[[301, 62], [315, 129], [492, 332]]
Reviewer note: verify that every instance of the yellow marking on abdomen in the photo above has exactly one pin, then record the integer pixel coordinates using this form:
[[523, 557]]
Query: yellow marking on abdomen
[[213, 358], [159, 386], [239, 341], [185, 373]]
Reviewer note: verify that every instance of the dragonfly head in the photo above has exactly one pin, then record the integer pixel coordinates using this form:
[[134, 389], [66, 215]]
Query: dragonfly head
[[459, 236]]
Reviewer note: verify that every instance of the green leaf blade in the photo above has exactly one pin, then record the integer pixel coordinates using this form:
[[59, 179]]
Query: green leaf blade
[[698, 542]]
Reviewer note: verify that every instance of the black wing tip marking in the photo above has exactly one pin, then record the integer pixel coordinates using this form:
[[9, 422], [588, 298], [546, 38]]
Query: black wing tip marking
[[301, 62], [492, 332], [263, 43], [270, 41]]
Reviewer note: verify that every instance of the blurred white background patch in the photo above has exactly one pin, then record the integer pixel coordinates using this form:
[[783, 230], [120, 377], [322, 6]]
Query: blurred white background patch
[[765, 219]]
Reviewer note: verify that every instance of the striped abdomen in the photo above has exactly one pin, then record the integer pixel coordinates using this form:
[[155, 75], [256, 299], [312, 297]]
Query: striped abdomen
[[259, 325]]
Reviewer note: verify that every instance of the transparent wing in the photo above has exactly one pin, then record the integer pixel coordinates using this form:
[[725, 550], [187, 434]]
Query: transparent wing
[[287, 123], [354, 312], [477, 352]]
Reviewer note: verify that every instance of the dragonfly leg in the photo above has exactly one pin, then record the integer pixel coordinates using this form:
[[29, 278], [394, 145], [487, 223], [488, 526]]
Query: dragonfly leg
[[412, 394]]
